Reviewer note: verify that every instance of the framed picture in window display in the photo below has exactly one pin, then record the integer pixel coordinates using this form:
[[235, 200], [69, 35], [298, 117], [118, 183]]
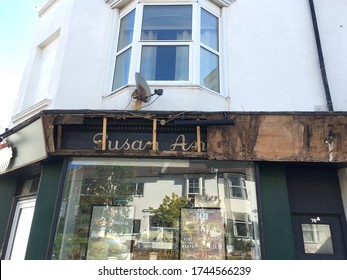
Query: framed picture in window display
[[202, 234], [111, 234]]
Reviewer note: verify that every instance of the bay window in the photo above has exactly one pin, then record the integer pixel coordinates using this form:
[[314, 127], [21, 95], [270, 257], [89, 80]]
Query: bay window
[[169, 46]]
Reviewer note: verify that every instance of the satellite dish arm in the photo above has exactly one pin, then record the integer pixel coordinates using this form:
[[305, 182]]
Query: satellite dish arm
[[143, 92]]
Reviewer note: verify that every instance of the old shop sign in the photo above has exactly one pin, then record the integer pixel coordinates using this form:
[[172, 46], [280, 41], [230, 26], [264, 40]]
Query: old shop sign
[[180, 142]]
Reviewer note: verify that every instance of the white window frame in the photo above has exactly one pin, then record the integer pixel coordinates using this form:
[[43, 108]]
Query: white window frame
[[229, 186], [246, 224], [19, 235], [200, 185], [137, 187], [193, 183], [246, 221], [194, 45]]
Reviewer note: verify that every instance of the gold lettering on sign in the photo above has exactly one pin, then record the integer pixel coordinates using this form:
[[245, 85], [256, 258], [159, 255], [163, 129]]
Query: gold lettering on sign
[[116, 145], [180, 144]]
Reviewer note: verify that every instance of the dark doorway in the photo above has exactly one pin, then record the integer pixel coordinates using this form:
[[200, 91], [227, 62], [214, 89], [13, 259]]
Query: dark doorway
[[319, 223]]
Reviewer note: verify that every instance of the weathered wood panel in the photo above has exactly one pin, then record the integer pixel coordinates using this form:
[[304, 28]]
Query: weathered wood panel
[[281, 137], [292, 137]]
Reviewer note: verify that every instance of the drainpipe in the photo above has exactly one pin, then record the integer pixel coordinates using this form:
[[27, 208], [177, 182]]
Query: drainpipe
[[321, 58]]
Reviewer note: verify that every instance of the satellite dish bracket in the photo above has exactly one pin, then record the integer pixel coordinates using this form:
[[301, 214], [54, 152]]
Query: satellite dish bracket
[[142, 92]]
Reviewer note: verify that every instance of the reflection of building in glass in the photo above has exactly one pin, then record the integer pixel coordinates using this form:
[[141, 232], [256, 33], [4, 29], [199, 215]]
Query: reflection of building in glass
[[317, 239], [154, 222], [211, 80]]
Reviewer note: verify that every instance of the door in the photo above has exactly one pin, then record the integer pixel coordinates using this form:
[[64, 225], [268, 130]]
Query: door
[[318, 237], [19, 235]]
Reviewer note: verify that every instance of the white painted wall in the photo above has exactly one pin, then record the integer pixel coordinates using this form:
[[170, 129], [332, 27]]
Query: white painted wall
[[273, 59], [332, 24], [269, 58]]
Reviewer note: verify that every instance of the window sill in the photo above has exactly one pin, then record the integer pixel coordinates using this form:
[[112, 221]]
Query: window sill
[[185, 85]]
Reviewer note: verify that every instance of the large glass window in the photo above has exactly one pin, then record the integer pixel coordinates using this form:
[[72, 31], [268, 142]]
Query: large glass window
[[169, 46], [141, 209]]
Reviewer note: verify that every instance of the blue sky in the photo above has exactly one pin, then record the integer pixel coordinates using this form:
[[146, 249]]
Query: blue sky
[[17, 29]]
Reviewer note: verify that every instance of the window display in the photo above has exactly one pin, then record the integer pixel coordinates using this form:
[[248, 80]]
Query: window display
[[138, 209], [202, 234]]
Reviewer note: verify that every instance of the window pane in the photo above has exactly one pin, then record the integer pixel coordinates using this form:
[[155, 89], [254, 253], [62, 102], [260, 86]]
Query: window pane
[[140, 188], [167, 23], [209, 70], [165, 63], [235, 181], [241, 228], [193, 186], [126, 30], [20, 230], [317, 239], [121, 72], [209, 29], [236, 192]]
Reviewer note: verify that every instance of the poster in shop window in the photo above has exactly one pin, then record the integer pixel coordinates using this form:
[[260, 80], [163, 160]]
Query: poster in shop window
[[111, 233], [202, 234]]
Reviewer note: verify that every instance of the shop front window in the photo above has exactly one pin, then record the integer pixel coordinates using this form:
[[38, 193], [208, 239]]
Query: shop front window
[[131, 209]]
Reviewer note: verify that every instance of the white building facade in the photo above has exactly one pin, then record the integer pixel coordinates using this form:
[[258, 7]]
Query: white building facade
[[265, 55], [263, 83]]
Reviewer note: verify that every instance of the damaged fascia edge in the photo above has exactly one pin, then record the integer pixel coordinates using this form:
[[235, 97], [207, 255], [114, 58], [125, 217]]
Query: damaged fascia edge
[[204, 122]]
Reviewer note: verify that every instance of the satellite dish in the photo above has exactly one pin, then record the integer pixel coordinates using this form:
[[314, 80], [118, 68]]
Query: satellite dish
[[143, 92]]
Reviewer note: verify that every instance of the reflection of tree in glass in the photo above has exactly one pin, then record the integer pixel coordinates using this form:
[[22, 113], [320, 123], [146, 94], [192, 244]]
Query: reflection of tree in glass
[[101, 186], [108, 185], [111, 220], [169, 211], [206, 201], [241, 245]]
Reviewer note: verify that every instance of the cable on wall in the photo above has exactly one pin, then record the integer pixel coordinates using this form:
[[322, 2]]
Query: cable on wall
[[321, 57]]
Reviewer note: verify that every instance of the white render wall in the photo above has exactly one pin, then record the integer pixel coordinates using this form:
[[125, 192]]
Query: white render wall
[[275, 65], [270, 60], [332, 23]]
